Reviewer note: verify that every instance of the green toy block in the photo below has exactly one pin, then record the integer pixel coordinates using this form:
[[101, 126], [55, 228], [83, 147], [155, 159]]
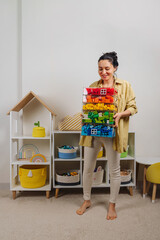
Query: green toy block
[[86, 121]]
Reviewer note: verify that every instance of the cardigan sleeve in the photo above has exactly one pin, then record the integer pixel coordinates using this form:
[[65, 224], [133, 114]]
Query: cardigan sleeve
[[130, 101]]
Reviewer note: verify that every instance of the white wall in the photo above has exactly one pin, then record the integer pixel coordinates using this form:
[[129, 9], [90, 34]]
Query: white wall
[[61, 43], [9, 76]]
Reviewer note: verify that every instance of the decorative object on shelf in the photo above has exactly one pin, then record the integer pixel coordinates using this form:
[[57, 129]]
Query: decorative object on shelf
[[68, 178], [99, 108], [98, 176], [124, 154], [125, 176], [38, 131], [71, 123], [67, 152], [100, 154], [27, 151], [37, 158], [32, 176]]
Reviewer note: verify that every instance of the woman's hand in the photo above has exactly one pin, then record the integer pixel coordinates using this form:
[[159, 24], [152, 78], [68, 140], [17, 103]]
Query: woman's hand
[[116, 117]]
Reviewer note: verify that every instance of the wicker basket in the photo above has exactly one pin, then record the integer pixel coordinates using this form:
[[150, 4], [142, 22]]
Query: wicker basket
[[32, 176], [97, 177], [126, 176], [67, 180], [67, 153]]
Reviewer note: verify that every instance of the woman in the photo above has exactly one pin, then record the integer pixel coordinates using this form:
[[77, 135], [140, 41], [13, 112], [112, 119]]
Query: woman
[[107, 66]]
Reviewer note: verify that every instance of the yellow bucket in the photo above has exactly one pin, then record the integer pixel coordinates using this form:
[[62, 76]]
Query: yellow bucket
[[38, 132], [100, 154], [32, 176]]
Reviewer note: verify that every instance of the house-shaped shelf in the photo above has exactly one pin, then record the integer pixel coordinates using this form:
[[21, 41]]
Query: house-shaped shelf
[[28, 111]]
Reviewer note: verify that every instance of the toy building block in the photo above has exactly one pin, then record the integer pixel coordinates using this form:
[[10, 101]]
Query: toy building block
[[98, 112], [99, 91]]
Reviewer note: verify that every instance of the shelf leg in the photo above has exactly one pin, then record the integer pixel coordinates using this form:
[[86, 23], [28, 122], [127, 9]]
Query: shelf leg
[[56, 193], [144, 181], [47, 194], [154, 193], [131, 190], [14, 195], [147, 188], [137, 171]]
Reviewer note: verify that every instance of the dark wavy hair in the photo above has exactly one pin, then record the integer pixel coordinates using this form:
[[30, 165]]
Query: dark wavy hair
[[110, 56]]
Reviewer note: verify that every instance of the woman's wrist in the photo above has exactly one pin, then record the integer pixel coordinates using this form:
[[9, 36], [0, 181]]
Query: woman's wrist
[[126, 113]]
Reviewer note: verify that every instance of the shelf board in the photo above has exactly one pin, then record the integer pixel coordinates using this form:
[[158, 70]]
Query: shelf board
[[131, 184], [29, 163], [18, 187], [64, 159], [74, 186], [105, 159], [57, 131], [30, 137], [128, 158]]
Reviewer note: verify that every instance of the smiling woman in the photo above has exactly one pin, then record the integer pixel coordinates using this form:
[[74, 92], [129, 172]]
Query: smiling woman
[[107, 66]]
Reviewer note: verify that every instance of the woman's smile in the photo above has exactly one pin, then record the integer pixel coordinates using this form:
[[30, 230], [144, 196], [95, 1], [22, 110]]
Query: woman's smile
[[106, 69]]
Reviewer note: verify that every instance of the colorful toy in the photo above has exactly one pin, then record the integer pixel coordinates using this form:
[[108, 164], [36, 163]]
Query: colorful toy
[[98, 131], [99, 99], [38, 131], [37, 158], [27, 152], [95, 117], [99, 109], [100, 91]]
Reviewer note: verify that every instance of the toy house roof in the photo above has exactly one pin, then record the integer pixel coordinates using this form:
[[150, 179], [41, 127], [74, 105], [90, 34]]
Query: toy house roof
[[26, 100]]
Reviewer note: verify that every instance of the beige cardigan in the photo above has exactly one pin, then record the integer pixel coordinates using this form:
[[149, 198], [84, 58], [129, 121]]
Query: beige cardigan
[[125, 100]]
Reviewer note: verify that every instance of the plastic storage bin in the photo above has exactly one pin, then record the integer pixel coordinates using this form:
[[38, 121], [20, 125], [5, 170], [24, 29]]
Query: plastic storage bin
[[32, 176]]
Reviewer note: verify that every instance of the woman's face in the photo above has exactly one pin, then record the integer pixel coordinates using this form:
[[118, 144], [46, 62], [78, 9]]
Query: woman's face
[[106, 70]]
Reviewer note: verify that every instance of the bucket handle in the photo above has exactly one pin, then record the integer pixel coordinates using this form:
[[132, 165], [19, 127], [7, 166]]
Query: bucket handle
[[43, 172]]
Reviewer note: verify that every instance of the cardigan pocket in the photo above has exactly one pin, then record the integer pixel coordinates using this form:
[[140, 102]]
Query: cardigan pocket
[[121, 102]]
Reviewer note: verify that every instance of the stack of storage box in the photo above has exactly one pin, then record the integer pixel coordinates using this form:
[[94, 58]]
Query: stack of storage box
[[99, 107]]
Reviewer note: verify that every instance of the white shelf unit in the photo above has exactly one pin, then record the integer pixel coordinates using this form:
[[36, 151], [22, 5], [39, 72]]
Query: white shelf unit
[[17, 140], [72, 138], [66, 138]]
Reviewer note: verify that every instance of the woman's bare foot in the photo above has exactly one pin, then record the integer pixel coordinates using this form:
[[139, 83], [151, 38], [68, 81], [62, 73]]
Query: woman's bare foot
[[111, 215], [86, 204]]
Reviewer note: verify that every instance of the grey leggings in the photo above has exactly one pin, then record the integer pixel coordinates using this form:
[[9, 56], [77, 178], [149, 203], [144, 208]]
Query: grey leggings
[[90, 156]]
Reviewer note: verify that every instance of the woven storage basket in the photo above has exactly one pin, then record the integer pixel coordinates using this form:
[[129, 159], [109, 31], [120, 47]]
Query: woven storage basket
[[126, 176], [97, 177], [67, 180], [67, 153], [32, 176], [71, 123]]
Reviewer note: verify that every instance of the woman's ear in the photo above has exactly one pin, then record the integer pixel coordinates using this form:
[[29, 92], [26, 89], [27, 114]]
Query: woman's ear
[[115, 69]]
